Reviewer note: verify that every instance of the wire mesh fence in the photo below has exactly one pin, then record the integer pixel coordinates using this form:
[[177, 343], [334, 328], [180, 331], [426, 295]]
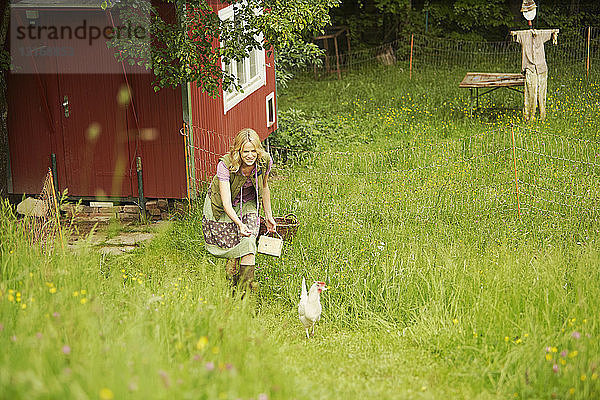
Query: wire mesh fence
[[42, 221], [500, 172], [579, 52]]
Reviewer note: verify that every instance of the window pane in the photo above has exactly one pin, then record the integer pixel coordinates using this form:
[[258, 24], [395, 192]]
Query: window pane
[[229, 67], [253, 66], [241, 73]]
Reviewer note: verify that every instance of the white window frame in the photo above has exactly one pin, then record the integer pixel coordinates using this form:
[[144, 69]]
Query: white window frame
[[233, 97], [270, 97]]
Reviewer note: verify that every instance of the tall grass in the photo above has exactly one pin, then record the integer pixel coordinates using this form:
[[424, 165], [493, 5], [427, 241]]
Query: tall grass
[[438, 288]]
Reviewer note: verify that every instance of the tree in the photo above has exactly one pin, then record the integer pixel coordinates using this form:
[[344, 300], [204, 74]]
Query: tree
[[183, 51]]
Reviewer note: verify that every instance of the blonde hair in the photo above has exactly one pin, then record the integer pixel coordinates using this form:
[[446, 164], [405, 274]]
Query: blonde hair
[[244, 136]]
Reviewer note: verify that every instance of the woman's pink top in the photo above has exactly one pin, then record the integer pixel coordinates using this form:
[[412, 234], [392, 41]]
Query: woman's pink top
[[248, 189]]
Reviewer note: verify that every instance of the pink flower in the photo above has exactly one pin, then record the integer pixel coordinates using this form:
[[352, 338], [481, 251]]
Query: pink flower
[[38, 335], [66, 349], [555, 368], [210, 366], [576, 335], [165, 378], [55, 314], [197, 357], [564, 353], [263, 396]]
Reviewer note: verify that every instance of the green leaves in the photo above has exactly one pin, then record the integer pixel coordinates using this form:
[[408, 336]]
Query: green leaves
[[187, 45]]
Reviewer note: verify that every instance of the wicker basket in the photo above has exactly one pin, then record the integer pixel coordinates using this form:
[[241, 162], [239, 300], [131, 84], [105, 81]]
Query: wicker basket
[[286, 226]]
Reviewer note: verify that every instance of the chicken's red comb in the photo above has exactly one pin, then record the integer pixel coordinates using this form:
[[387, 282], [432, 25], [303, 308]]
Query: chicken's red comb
[[321, 283]]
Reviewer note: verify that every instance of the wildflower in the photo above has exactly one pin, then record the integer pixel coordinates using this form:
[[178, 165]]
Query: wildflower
[[165, 378], [23, 306], [506, 338], [38, 335], [83, 301], [573, 354], [572, 391], [263, 396], [554, 349], [576, 335], [583, 378], [564, 353], [202, 342], [548, 357], [210, 366], [66, 349], [83, 292], [594, 376], [75, 293], [55, 314], [555, 368], [52, 290], [562, 361], [106, 394], [455, 321]]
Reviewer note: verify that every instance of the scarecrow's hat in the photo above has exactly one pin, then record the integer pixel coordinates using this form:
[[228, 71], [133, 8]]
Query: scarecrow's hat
[[528, 5]]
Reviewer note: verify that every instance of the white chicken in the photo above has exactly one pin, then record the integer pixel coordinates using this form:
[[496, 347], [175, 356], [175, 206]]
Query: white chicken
[[309, 308]]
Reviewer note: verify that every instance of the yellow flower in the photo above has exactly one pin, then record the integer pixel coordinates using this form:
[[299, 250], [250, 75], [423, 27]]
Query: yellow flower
[[554, 349], [583, 377], [52, 290], [455, 321], [572, 391], [83, 301], [548, 357], [106, 394], [562, 361], [75, 293], [11, 297], [573, 354], [23, 306], [594, 376], [83, 291], [506, 338], [201, 343]]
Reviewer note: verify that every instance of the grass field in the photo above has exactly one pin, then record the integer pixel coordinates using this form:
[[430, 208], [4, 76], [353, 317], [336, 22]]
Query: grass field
[[438, 289]]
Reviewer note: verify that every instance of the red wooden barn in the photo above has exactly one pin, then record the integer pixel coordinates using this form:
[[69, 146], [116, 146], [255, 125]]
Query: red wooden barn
[[84, 117]]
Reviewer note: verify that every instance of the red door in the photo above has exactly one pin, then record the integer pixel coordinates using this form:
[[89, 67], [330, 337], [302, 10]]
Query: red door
[[97, 158]]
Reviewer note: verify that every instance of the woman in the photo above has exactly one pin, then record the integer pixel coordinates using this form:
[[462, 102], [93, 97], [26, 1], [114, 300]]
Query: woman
[[230, 219]]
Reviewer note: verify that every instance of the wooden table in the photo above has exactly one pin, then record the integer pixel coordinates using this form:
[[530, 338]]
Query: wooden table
[[491, 81]]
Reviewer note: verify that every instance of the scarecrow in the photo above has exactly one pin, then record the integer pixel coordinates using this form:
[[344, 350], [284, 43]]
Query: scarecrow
[[533, 61]]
